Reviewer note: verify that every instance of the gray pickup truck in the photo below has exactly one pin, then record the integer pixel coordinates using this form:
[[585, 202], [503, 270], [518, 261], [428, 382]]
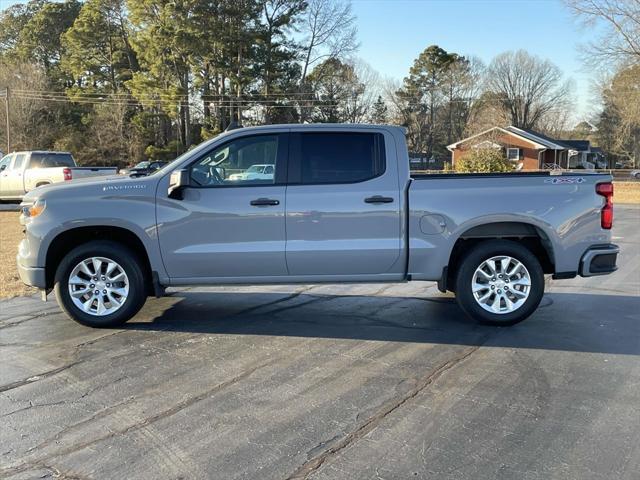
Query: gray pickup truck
[[342, 206]]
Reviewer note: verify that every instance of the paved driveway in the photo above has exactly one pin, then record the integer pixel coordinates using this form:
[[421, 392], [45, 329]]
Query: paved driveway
[[361, 381]]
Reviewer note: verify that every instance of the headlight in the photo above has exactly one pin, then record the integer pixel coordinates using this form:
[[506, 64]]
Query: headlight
[[34, 210]]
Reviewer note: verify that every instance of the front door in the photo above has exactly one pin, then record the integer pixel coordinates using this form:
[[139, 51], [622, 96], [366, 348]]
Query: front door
[[5, 163], [343, 206], [226, 224], [15, 179]]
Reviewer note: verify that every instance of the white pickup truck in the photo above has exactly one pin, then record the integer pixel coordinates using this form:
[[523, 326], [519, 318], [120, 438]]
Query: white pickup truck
[[21, 172]]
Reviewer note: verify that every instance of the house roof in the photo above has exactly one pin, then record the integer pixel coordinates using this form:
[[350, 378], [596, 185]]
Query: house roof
[[503, 130], [536, 138], [580, 145]]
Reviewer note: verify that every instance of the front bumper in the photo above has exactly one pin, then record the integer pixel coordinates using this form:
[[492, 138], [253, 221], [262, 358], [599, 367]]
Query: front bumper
[[32, 276], [599, 260]]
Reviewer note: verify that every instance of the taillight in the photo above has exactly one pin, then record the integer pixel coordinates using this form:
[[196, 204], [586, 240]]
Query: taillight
[[67, 173], [606, 214]]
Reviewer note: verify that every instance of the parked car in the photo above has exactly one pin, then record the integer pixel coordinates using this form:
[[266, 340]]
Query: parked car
[[635, 174], [255, 172], [143, 168], [342, 207], [21, 172]]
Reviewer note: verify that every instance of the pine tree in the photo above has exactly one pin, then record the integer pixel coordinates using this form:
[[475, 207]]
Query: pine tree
[[379, 114]]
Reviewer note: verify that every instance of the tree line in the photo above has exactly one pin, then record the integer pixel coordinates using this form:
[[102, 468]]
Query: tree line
[[121, 80]]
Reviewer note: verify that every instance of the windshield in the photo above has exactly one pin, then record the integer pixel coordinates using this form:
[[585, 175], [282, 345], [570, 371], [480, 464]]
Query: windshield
[[142, 165], [255, 168]]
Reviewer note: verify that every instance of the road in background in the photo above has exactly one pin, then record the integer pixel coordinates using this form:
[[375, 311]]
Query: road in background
[[346, 381]]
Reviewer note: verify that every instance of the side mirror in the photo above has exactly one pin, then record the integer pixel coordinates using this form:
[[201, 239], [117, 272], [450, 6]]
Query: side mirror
[[178, 180], [2, 167]]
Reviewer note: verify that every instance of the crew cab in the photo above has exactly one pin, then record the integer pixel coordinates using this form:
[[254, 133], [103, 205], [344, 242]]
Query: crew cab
[[21, 172], [342, 206]]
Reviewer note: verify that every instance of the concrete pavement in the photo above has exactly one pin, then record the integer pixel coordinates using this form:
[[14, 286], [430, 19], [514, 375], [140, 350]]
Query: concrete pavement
[[331, 382]]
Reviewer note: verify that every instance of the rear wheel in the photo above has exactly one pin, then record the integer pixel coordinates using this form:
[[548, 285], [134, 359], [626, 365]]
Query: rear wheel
[[499, 282], [100, 284]]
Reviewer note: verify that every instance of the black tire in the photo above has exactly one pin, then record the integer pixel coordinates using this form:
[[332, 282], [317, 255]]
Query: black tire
[[127, 259], [484, 251]]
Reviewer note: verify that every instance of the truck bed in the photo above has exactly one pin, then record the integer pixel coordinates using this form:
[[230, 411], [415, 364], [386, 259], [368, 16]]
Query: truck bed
[[564, 209]]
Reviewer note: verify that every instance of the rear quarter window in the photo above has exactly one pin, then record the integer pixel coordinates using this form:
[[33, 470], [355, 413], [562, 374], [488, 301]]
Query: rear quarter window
[[49, 160]]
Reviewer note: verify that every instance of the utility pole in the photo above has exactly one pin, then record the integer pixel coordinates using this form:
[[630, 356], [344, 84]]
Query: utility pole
[[5, 95]]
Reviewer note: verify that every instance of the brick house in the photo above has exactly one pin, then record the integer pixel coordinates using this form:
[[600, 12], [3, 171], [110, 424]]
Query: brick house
[[532, 150]]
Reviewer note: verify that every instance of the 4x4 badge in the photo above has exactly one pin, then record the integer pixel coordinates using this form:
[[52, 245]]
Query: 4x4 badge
[[564, 180]]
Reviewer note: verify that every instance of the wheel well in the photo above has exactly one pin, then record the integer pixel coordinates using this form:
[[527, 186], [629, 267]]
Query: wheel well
[[525, 234], [70, 239], [40, 184]]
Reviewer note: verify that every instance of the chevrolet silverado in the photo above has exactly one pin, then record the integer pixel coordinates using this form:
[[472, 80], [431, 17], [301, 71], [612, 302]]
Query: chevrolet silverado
[[342, 206]]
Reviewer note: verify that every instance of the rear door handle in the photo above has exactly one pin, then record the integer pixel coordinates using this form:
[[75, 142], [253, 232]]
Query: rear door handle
[[259, 202], [378, 199]]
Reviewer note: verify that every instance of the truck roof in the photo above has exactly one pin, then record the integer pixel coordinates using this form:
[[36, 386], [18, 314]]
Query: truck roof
[[319, 126], [44, 151]]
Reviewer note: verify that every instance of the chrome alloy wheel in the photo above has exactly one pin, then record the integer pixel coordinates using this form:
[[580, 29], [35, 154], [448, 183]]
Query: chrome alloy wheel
[[98, 286], [501, 284]]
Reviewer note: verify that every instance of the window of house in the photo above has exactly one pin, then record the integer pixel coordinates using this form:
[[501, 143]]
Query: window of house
[[337, 157], [513, 154]]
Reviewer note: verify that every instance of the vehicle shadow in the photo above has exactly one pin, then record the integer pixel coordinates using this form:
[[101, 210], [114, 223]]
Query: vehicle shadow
[[564, 321]]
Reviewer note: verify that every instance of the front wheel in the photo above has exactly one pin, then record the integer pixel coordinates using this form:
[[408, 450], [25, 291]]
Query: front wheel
[[499, 282], [100, 284]]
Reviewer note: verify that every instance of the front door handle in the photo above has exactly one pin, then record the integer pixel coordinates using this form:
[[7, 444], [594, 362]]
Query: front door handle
[[260, 202], [378, 199]]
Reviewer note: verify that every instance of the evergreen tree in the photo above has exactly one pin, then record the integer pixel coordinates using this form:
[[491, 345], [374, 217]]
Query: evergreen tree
[[98, 52], [380, 111]]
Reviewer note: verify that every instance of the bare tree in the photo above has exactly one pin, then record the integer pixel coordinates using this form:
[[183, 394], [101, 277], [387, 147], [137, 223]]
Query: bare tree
[[461, 86], [619, 123], [366, 90], [32, 117], [330, 31], [526, 87], [620, 42]]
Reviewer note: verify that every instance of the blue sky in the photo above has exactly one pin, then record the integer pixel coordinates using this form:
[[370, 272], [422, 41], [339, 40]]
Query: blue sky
[[392, 33]]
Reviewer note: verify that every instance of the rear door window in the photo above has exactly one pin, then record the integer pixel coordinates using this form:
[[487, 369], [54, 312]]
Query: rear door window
[[18, 161], [336, 157]]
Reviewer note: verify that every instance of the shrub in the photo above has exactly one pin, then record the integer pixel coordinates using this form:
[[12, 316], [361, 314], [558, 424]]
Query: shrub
[[483, 160]]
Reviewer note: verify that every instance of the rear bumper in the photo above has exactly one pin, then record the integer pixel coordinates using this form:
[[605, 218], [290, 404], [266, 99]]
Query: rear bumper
[[599, 260]]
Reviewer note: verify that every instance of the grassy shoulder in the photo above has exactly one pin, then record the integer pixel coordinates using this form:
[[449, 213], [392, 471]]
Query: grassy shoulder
[[11, 234], [626, 192]]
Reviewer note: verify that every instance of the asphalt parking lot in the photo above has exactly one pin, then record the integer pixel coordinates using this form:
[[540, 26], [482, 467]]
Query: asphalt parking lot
[[348, 381]]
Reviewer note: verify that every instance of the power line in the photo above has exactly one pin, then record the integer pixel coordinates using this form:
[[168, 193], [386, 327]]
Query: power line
[[5, 94], [227, 102]]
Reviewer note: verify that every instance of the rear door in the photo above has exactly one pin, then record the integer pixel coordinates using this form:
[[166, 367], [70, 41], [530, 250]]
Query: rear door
[[343, 205]]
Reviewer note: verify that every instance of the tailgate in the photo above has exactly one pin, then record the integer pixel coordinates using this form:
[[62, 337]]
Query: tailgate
[[82, 172]]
